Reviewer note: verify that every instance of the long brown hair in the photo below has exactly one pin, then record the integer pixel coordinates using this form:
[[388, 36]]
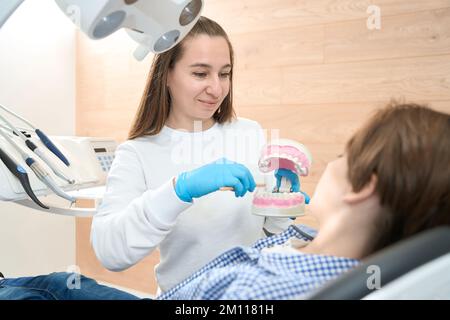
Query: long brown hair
[[155, 103], [407, 146]]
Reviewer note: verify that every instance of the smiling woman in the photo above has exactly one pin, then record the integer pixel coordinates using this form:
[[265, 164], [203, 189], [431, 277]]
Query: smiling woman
[[199, 82], [199, 70], [182, 146]]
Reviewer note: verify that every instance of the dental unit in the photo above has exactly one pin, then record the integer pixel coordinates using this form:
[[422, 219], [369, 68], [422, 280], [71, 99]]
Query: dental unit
[[156, 26], [287, 156], [42, 136], [25, 187], [21, 174], [36, 149], [38, 170]]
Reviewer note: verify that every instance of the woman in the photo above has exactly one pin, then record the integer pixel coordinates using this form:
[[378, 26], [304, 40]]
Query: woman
[[392, 182], [184, 124]]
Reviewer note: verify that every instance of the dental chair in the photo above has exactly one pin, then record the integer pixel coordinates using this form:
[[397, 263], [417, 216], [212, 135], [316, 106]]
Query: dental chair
[[415, 268]]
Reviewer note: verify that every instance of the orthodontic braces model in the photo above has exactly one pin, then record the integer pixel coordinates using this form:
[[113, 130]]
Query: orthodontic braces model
[[283, 201]]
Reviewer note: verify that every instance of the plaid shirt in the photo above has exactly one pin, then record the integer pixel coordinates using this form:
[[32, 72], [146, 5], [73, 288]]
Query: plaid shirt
[[248, 273]]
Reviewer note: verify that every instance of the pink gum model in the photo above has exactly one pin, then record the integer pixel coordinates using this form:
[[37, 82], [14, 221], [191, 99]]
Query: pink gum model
[[286, 154]]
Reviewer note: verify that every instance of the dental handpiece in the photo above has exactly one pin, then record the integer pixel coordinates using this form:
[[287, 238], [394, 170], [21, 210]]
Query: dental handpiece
[[51, 146], [37, 151], [39, 171], [44, 157], [45, 140], [21, 174], [47, 180]]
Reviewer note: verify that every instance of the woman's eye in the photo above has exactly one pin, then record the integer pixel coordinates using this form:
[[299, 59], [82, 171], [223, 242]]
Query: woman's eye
[[199, 74], [225, 74]]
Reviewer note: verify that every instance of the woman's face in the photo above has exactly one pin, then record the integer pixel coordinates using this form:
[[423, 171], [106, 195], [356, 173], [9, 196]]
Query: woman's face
[[200, 80], [331, 189]]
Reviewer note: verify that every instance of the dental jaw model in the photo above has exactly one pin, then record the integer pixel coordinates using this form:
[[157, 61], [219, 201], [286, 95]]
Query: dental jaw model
[[288, 156]]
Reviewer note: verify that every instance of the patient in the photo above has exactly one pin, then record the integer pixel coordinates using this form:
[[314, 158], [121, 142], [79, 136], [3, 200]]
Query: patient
[[392, 181]]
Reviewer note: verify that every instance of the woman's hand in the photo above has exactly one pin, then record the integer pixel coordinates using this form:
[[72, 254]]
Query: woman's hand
[[212, 177], [293, 179]]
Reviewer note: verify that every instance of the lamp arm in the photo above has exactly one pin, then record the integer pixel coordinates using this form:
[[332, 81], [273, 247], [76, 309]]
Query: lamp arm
[[7, 7], [156, 25]]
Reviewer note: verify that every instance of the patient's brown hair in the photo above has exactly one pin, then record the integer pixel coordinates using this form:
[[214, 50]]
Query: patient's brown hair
[[407, 146]]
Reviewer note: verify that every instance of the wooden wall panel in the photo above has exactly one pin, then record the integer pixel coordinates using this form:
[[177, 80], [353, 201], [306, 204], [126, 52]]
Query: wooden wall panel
[[265, 91], [412, 78], [242, 16], [323, 128], [139, 277], [305, 123], [104, 123], [280, 47], [109, 85], [425, 33], [310, 69]]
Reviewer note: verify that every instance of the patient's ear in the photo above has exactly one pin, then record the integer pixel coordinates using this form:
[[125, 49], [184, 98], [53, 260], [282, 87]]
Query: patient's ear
[[366, 192]]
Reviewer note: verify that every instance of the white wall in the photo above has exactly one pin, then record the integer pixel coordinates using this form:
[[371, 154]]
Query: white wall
[[37, 80]]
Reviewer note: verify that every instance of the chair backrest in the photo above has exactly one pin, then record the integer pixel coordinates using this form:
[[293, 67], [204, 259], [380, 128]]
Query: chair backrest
[[390, 264], [430, 281]]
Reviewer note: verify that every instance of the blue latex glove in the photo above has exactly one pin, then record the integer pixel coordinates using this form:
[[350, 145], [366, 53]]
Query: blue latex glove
[[288, 174], [293, 178], [212, 177]]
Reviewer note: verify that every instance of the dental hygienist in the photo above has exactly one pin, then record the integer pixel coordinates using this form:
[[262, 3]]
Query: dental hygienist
[[163, 187]]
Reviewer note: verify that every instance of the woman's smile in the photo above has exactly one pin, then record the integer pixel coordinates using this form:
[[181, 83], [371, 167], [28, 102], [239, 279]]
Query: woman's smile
[[208, 103]]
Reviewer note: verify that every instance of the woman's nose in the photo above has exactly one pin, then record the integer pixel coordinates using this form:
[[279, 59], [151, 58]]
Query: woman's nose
[[214, 87]]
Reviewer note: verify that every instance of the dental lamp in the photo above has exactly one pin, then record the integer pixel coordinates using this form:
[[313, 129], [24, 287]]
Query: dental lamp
[[156, 25]]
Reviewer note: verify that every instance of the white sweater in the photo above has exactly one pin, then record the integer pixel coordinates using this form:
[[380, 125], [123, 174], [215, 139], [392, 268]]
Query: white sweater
[[141, 211]]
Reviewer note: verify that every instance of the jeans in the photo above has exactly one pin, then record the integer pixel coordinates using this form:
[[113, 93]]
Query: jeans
[[59, 286]]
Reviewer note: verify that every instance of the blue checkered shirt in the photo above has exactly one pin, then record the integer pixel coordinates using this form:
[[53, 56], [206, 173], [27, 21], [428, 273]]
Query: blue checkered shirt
[[250, 273]]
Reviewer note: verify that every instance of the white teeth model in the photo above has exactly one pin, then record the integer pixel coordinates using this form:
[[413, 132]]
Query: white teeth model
[[284, 204], [277, 195], [265, 162]]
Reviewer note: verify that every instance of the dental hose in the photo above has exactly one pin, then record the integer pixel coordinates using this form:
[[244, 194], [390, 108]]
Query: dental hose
[[43, 156], [40, 172], [42, 136], [20, 173], [47, 180], [37, 151]]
